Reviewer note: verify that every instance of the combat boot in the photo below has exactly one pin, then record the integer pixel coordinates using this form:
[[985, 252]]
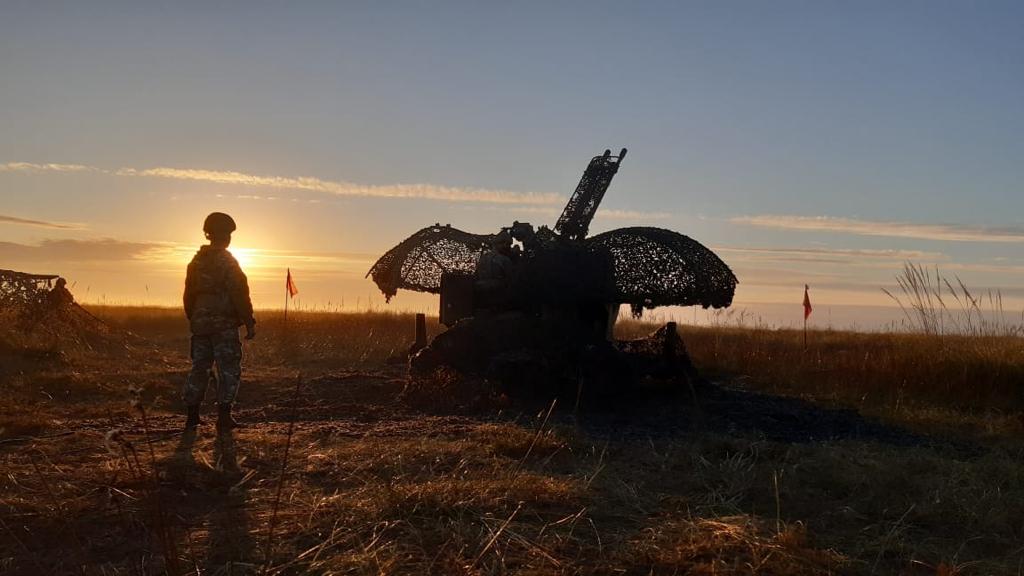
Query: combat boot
[[224, 419], [193, 418]]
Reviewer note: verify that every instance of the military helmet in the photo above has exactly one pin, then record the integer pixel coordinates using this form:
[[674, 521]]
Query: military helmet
[[219, 223]]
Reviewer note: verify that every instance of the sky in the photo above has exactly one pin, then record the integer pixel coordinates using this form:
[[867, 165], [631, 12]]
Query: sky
[[819, 143]]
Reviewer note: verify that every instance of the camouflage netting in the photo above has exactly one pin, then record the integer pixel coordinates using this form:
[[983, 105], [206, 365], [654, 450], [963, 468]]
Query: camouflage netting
[[579, 211], [418, 262], [642, 267], [650, 267], [39, 316], [18, 289], [658, 267]]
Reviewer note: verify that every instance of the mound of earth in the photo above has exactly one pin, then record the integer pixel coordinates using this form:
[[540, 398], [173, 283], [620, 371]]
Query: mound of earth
[[59, 334]]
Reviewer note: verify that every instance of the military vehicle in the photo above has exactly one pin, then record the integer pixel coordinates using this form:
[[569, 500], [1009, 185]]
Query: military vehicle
[[552, 320]]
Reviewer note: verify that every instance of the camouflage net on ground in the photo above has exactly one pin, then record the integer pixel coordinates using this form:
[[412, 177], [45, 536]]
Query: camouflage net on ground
[[38, 314], [418, 262], [658, 267]]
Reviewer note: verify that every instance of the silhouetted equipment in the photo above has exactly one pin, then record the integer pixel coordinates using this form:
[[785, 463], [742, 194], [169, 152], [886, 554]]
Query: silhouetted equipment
[[658, 267], [456, 297], [19, 289], [40, 304], [564, 293], [579, 211], [421, 334], [420, 260]]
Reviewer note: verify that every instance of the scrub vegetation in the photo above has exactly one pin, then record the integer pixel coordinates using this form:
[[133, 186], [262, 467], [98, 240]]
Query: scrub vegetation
[[98, 479]]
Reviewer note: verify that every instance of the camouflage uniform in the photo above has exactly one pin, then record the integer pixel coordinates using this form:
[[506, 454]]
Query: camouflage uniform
[[216, 302]]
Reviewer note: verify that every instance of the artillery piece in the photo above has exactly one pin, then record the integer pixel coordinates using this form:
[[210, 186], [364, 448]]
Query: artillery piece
[[551, 323]]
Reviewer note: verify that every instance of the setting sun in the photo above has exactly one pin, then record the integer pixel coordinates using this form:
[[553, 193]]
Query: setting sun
[[248, 258]]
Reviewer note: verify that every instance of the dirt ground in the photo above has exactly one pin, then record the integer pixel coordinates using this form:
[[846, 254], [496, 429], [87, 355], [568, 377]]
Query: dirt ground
[[98, 477]]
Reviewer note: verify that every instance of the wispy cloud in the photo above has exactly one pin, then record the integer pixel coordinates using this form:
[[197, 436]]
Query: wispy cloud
[[893, 229], [553, 212], [308, 183], [76, 251], [172, 255], [612, 214], [30, 167], [546, 203], [832, 254], [342, 188], [40, 223], [264, 257]]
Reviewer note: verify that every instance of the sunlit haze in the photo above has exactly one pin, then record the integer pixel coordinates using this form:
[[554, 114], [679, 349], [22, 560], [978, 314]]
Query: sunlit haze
[[806, 143]]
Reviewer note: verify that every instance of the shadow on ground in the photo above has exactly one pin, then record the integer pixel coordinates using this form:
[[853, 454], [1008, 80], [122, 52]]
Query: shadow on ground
[[666, 410], [211, 507], [719, 408]]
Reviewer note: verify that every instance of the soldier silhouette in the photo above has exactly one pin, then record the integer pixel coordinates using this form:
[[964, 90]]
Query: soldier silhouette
[[60, 295], [216, 303]]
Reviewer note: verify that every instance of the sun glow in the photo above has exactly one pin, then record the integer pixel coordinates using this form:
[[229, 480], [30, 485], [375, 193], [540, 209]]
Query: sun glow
[[247, 257], [183, 254]]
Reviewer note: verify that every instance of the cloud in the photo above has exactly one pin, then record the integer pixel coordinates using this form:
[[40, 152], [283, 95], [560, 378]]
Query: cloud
[[553, 213], [831, 255], [30, 167], [75, 255], [893, 229], [342, 188], [40, 223], [997, 268], [308, 183], [611, 214], [76, 251], [546, 203]]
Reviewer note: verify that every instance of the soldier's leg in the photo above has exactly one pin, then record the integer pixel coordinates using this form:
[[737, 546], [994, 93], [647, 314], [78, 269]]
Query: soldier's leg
[[227, 349], [199, 376]]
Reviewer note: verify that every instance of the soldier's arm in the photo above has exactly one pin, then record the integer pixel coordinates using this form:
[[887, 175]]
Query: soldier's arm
[[238, 289], [188, 298]]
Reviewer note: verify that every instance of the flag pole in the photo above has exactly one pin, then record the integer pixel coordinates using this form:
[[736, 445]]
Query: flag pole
[[807, 312]]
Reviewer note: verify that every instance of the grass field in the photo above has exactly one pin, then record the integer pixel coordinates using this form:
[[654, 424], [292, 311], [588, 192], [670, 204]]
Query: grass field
[[98, 479]]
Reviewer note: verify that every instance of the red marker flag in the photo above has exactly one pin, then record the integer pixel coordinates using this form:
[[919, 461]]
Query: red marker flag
[[290, 285], [807, 303]]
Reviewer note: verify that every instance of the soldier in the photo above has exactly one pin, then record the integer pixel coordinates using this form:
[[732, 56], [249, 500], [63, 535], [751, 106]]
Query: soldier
[[494, 271], [60, 295], [216, 304]]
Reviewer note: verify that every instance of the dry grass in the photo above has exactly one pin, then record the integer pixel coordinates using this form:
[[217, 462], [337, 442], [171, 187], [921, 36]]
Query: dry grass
[[934, 304], [375, 485], [963, 382]]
